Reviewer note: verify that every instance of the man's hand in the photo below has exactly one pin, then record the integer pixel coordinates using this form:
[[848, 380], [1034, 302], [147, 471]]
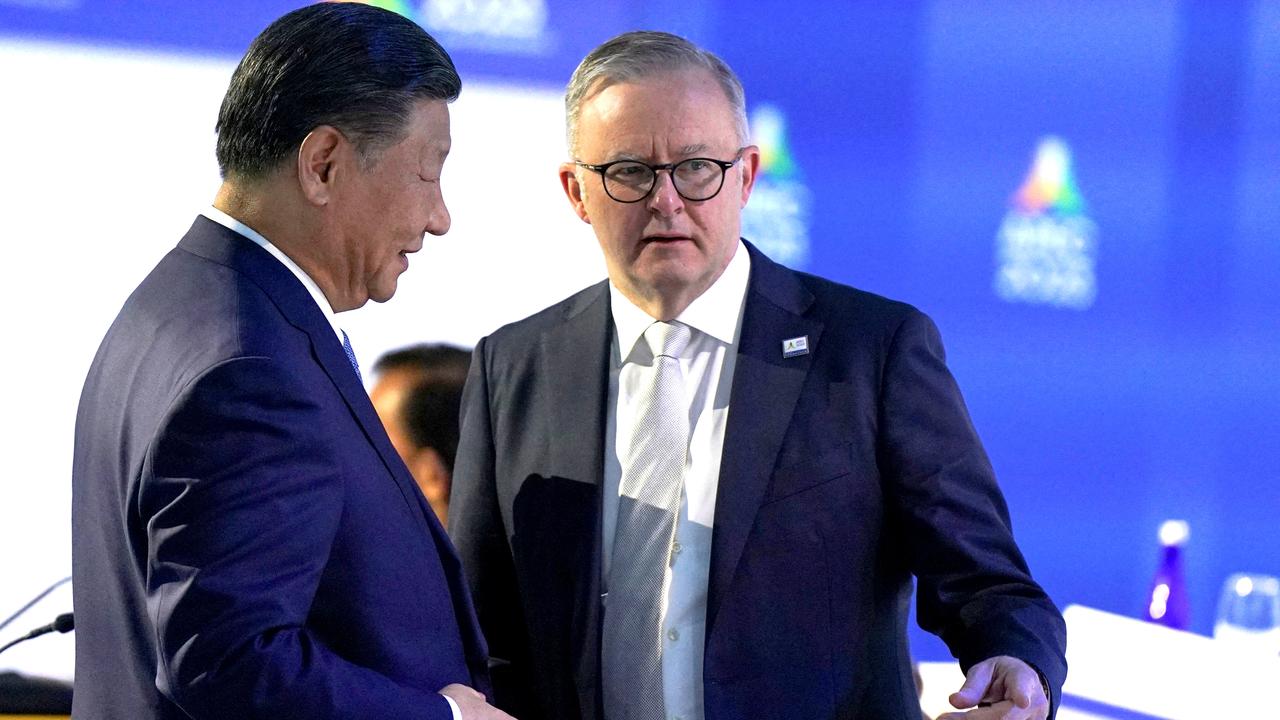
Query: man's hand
[[473, 704], [1002, 688]]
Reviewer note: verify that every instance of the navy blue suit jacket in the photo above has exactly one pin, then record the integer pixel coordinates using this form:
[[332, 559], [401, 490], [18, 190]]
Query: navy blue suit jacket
[[844, 472], [246, 543]]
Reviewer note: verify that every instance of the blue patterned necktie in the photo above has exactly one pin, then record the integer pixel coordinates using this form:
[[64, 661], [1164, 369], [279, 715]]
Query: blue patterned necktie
[[351, 355]]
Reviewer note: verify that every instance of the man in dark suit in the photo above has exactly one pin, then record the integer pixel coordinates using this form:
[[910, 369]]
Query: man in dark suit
[[246, 543], [701, 488]]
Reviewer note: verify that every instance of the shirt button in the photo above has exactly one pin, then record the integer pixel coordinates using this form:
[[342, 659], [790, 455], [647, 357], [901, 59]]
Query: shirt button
[[675, 550], [673, 634]]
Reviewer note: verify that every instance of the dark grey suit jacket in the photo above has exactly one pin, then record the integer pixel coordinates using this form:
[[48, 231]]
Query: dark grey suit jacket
[[845, 472]]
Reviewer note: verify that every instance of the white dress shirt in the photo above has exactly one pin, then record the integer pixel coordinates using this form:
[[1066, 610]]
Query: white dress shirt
[[707, 364], [235, 225], [322, 302]]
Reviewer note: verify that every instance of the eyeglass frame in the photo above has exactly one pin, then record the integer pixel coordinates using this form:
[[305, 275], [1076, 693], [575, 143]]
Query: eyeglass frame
[[724, 166]]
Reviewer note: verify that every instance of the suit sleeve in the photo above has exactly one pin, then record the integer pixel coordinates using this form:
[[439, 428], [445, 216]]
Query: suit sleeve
[[479, 533], [242, 497], [975, 590]]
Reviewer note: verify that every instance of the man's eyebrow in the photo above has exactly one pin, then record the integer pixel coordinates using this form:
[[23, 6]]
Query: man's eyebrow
[[682, 151], [625, 155]]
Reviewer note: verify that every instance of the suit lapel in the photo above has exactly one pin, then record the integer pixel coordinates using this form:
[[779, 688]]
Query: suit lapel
[[766, 387], [574, 357], [226, 247]]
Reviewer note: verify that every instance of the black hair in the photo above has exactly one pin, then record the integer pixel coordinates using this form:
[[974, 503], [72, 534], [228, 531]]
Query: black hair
[[355, 67], [430, 413], [446, 362], [430, 409]]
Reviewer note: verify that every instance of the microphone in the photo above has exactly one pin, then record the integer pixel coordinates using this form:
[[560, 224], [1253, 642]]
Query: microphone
[[64, 623], [5, 623]]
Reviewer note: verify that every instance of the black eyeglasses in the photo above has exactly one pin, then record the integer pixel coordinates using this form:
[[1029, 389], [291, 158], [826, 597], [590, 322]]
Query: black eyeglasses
[[695, 179]]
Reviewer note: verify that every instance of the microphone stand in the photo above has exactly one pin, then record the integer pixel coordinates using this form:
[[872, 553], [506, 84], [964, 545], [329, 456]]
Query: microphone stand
[[34, 600], [64, 623], [22, 695]]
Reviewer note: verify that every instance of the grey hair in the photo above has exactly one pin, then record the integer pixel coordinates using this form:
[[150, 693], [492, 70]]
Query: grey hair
[[641, 54]]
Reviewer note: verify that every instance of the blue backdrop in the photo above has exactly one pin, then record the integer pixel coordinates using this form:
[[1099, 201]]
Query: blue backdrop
[[1085, 196]]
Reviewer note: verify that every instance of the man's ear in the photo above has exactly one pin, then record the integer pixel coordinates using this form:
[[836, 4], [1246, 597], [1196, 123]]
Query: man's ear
[[750, 164], [573, 190], [317, 163]]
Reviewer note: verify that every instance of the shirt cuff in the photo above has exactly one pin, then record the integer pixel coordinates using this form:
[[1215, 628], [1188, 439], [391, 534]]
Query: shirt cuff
[[453, 707]]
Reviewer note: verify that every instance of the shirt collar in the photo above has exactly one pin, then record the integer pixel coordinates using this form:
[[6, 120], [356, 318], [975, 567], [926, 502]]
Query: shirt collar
[[716, 312], [235, 225]]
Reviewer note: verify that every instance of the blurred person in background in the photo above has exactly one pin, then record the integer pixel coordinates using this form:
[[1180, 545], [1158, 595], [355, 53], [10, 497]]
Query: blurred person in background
[[244, 534], [418, 394], [703, 487]]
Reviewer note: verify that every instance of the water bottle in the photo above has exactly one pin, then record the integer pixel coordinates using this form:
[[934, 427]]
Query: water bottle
[[1167, 603]]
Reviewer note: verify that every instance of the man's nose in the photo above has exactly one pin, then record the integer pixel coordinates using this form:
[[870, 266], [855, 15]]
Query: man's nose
[[439, 220], [664, 199]]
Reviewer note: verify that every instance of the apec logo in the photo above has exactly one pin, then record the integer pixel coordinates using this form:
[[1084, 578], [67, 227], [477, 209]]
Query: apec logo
[[502, 26], [499, 19], [1046, 249], [776, 218]]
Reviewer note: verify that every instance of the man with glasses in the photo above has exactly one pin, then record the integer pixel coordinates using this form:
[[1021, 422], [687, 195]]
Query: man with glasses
[[701, 488]]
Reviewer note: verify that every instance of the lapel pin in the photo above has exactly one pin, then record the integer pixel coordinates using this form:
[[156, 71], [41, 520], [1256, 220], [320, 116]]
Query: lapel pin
[[795, 346]]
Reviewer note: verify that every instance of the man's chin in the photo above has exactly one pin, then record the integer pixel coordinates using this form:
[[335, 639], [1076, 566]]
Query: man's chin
[[381, 295], [680, 286], [672, 279], [678, 273]]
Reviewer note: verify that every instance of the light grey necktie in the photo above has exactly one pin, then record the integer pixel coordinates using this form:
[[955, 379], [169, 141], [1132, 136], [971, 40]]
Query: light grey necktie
[[648, 503]]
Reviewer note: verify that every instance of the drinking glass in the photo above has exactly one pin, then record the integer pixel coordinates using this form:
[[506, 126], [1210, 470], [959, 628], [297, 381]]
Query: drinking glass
[[1249, 613]]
